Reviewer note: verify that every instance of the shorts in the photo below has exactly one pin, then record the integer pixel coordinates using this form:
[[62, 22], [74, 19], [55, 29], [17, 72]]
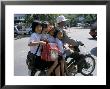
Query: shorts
[[42, 64], [39, 64], [49, 63]]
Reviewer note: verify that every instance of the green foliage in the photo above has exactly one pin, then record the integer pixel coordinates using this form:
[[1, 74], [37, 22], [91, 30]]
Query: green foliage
[[73, 19]]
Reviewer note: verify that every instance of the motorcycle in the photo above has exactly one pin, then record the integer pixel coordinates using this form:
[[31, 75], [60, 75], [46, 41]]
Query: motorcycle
[[93, 30], [82, 63], [93, 33], [79, 63]]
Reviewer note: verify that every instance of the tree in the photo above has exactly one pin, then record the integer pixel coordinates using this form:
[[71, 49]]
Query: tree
[[73, 19]]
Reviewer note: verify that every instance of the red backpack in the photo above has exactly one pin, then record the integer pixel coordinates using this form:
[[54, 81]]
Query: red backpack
[[50, 52]]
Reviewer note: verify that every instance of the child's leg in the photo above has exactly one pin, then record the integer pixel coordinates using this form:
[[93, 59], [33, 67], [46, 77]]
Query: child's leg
[[52, 67], [57, 71], [62, 67]]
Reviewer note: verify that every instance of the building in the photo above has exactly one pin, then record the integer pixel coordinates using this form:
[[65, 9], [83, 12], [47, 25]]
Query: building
[[18, 18]]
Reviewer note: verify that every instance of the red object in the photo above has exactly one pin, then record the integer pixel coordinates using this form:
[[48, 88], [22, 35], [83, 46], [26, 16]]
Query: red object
[[49, 52]]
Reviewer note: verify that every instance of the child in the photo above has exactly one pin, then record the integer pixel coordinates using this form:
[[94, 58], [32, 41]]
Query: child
[[45, 27], [51, 38], [44, 37], [61, 54], [60, 60], [35, 43], [48, 38], [48, 32]]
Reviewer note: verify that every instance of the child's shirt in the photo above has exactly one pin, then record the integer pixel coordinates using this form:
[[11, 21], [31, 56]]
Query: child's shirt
[[51, 39], [35, 37], [44, 36], [60, 45]]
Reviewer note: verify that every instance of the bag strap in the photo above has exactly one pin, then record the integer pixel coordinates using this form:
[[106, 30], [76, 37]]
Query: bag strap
[[37, 49]]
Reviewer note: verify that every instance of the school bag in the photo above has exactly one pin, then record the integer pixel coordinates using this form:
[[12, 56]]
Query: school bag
[[30, 61], [49, 52]]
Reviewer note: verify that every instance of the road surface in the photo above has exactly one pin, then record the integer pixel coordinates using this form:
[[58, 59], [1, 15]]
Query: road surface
[[21, 49]]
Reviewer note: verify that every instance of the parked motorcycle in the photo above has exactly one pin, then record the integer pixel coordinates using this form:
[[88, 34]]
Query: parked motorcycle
[[82, 63], [93, 30], [93, 33]]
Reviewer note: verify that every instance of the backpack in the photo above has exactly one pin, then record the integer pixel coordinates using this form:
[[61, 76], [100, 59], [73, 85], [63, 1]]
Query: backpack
[[49, 52], [31, 59]]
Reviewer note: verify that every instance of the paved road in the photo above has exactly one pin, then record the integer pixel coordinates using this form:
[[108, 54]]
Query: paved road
[[89, 42], [21, 49]]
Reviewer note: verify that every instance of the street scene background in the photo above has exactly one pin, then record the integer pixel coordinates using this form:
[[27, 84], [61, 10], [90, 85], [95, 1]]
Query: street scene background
[[77, 27]]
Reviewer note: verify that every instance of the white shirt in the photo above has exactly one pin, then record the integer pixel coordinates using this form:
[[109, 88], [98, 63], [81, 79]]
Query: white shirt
[[35, 37], [60, 45], [44, 36], [51, 39]]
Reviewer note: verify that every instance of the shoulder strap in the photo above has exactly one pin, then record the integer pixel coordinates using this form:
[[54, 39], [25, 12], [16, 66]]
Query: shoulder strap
[[37, 49]]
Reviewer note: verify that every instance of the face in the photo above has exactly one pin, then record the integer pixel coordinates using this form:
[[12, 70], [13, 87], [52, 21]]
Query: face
[[60, 35], [62, 23], [45, 30], [51, 32], [48, 27], [38, 29]]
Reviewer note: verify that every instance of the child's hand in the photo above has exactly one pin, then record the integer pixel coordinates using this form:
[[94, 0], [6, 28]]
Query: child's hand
[[46, 40], [42, 42]]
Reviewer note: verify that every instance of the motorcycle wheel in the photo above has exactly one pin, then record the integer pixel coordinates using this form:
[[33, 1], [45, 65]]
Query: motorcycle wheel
[[88, 66], [42, 73], [72, 71]]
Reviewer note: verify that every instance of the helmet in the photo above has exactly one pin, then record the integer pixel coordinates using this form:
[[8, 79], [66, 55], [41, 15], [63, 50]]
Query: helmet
[[35, 23], [45, 24], [61, 18]]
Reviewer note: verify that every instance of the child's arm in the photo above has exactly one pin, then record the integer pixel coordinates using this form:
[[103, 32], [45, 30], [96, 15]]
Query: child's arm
[[34, 43]]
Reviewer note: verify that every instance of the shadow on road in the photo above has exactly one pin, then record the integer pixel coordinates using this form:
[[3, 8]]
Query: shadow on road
[[92, 38], [94, 51]]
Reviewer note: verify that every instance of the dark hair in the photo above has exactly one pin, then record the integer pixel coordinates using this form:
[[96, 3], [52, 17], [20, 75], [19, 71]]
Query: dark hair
[[36, 23], [56, 32], [45, 24]]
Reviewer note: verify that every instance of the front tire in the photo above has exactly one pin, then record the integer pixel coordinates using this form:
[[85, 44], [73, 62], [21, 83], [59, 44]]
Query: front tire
[[88, 66]]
